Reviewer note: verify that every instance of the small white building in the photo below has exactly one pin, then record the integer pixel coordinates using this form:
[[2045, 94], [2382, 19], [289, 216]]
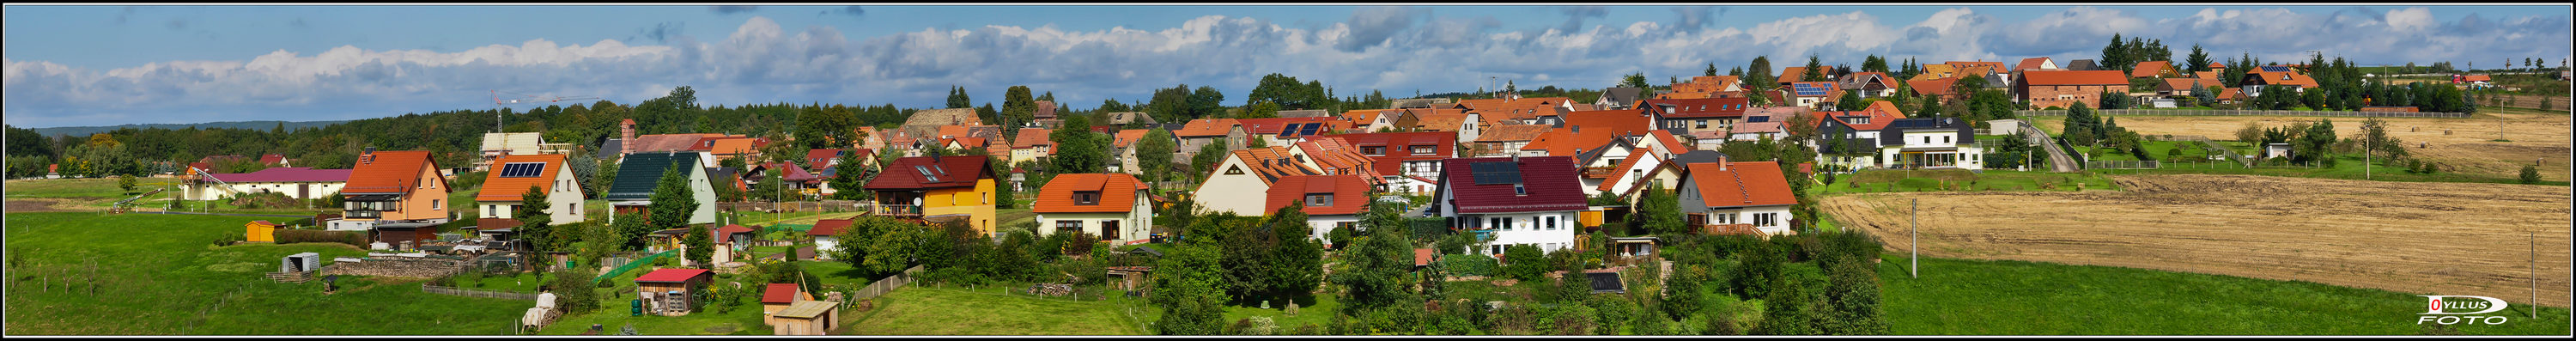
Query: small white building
[[1114, 207], [1737, 195]]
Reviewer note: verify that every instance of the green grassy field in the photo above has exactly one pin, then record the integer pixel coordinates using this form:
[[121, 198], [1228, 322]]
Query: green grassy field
[[1876, 181], [920, 310], [161, 275], [104, 188], [744, 319], [2157, 149], [1971, 297]]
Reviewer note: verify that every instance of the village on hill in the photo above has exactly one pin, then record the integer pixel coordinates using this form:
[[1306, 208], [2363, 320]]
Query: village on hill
[[1788, 198]]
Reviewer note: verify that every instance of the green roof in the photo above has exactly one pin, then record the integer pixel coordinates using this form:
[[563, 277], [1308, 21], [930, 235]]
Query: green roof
[[637, 175]]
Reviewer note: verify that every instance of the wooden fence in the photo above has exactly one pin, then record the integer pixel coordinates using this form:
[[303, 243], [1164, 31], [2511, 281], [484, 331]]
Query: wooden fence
[[2120, 164], [477, 293], [793, 206], [886, 285], [2213, 145], [2214, 112]]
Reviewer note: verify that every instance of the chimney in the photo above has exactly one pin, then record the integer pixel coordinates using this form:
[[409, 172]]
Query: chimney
[[1721, 162], [626, 130], [367, 157]]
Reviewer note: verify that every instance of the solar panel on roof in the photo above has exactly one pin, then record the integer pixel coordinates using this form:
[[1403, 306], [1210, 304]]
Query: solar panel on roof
[[1497, 172], [2276, 69], [1757, 119], [523, 169], [1311, 129], [925, 173]]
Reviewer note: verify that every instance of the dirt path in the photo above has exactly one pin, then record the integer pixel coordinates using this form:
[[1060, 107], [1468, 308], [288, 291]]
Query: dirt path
[[31, 205], [2434, 238], [2466, 145]]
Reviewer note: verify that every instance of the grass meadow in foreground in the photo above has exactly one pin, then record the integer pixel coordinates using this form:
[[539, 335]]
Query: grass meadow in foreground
[[1974, 297], [925, 310], [77, 273]]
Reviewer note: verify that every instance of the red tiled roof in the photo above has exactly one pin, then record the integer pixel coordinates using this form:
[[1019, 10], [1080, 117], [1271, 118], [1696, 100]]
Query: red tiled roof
[[2099, 77], [664, 142], [778, 293], [1270, 163], [1423, 256], [952, 172], [2149, 68], [2278, 78], [1590, 129], [1271, 126], [1117, 193], [1741, 184], [724, 234], [497, 188], [827, 227], [1551, 181], [1128, 137], [272, 159], [1673, 144], [737, 146], [1350, 193], [789, 172], [1877, 119], [2184, 84], [1512, 132], [1207, 127], [1699, 108], [1932, 87], [395, 171], [1337, 157], [819, 157], [1795, 73], [671, 275], [2031, 64], [1032, 138], [1440, 121], [1399, 147]]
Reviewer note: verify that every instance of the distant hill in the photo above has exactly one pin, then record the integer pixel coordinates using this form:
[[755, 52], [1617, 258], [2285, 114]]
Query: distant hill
[[259, 125]]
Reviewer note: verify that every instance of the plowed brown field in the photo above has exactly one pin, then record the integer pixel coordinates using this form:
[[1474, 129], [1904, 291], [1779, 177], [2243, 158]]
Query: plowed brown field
[[2465, 144], [2430, 238]]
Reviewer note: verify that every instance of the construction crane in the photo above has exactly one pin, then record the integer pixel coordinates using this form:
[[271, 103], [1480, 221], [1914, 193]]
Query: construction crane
[[518, 98]]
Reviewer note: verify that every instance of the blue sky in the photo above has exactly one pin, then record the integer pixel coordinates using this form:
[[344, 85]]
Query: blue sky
[[103, 65]]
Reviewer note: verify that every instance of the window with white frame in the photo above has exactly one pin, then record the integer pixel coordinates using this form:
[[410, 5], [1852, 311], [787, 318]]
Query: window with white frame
[[1766, 219]]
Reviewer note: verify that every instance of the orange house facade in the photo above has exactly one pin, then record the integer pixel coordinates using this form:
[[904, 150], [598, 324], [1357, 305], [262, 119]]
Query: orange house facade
[[393, 187]]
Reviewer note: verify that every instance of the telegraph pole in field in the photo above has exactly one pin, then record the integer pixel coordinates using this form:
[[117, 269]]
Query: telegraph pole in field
[[1913, 226]]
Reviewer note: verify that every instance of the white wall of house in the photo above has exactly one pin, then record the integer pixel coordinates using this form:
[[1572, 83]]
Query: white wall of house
[[1409, 185], [1324, 224], [1967, 155], [211, 191], [1772, 219], [564, 204], [1549, 230], [1628, 178], [1135, 225], [1233, 187]]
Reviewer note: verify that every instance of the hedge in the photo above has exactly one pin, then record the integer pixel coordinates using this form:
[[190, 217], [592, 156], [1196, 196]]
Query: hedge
[[311, 236], [1470, 265]]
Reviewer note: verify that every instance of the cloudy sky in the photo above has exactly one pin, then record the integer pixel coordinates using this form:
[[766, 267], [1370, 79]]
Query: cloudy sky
[[106, 65]]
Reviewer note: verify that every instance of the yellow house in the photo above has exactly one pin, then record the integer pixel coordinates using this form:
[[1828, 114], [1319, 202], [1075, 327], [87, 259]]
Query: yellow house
[[938, 189]]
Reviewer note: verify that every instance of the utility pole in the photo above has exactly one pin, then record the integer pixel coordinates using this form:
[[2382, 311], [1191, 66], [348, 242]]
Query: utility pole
[[1913, 226]]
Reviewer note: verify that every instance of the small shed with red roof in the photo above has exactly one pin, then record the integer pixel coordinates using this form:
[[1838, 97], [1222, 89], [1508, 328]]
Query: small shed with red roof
[[667, 291], [778, 296]]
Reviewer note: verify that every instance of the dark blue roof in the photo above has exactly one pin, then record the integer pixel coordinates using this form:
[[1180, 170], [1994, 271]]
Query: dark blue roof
[[637, 176]]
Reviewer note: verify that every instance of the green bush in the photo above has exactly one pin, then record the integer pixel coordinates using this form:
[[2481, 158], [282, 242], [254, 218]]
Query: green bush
[[2530, 174], [313, 236], [1470, 265], [1524, 262]]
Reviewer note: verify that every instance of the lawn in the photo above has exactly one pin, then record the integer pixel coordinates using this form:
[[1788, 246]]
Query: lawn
[[104, 188], [1969, 297], [2158, 149], [614, 313], [922, 310], [1881, 180], [161, 275]]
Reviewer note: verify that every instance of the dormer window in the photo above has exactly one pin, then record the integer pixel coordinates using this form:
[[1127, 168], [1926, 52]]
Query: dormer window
[[1319, 200], [1086, 198], [1517, 189]]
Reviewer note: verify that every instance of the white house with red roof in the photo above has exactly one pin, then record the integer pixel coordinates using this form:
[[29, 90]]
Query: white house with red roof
[[1734, 197], [1509, 201], [294, 182], [1329, 201]]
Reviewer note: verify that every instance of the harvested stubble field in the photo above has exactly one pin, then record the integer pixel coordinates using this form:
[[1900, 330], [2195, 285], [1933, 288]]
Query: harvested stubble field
[[2432, 238], [2469, 147]]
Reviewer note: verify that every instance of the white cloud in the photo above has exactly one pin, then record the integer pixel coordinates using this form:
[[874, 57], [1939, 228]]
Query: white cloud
[[1397, 50]]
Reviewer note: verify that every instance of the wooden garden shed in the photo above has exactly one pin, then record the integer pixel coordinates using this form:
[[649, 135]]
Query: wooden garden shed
[[668, 292], [807, 318]]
